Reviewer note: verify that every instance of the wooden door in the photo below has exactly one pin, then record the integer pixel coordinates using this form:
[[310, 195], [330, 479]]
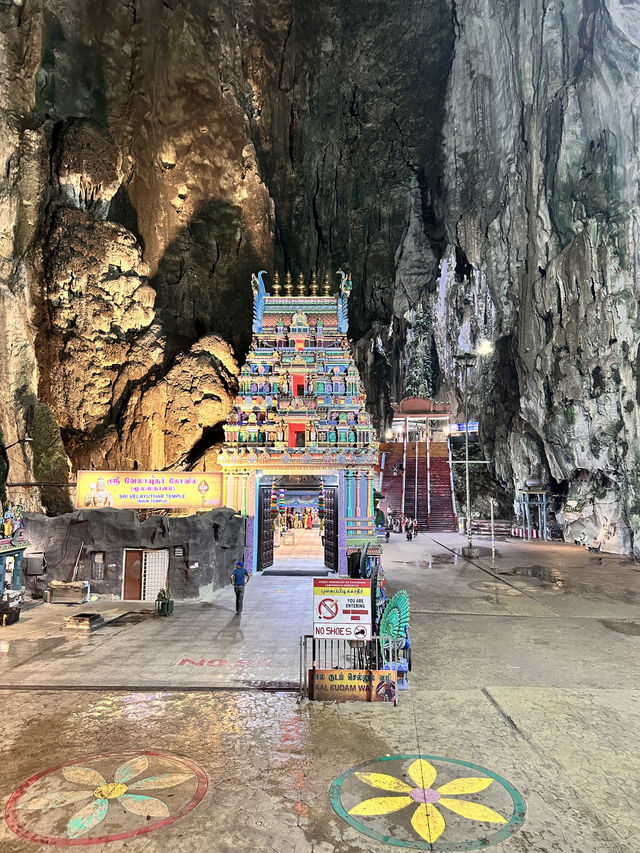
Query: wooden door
[[133, 575], [265, 547]]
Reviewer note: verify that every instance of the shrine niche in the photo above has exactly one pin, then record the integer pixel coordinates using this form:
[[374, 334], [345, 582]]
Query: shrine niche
[[299, 420]]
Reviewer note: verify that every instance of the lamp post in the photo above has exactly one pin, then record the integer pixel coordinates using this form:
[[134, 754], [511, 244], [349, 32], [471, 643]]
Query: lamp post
[[467, 359]]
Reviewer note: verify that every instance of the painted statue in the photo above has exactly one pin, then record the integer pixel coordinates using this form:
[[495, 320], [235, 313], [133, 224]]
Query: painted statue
[[259, 293], [8, 519]]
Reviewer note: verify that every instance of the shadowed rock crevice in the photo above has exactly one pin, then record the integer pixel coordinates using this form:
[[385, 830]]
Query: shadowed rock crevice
[[203, 279]]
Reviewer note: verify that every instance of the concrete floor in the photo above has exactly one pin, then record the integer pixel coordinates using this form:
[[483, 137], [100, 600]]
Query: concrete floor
[[300, 552], [526, 667]]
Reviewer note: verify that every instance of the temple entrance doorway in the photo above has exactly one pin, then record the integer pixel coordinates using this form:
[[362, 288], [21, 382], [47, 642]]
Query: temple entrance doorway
[[297, 527]]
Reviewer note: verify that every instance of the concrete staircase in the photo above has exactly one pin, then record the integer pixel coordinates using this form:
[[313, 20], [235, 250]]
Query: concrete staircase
[[482, 527], [442, 517]]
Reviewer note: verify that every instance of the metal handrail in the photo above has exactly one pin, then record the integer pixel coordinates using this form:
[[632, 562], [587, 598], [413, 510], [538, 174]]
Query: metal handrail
[[378, 653]]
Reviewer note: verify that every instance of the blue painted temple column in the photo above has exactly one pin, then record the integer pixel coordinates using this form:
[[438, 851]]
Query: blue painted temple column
[[251, 538], [348, 490], [17, 570]]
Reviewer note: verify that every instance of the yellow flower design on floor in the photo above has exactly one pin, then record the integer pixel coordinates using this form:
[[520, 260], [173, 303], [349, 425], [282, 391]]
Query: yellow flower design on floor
[[426, 820], [104, 793]]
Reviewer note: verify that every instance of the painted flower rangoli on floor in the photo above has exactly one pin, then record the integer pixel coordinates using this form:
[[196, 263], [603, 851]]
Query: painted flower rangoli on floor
[[105, 798], [427, 819], [428, 802], [103, 793]]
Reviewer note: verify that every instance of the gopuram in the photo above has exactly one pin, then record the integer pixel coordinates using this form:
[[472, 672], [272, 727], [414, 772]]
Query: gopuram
[[299, 434]]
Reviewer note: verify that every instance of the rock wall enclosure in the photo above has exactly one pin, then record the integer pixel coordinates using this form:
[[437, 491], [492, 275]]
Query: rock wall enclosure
[[474, 162], [209, 543]]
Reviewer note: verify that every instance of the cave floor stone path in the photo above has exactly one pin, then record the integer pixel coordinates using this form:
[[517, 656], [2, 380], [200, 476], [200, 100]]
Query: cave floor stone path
[[525, 669]]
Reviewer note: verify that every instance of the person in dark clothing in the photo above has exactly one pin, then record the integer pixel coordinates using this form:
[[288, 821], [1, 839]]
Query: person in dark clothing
[[239, 578]]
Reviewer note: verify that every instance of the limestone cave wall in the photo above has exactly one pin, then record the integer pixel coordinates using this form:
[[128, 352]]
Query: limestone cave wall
[[474, 163], [541, 210]]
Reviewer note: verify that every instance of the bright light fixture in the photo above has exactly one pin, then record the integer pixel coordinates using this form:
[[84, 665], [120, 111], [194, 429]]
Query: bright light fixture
[[485, 347]]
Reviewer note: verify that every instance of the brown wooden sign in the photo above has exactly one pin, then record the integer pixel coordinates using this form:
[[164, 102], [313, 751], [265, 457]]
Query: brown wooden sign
[[353, 685]]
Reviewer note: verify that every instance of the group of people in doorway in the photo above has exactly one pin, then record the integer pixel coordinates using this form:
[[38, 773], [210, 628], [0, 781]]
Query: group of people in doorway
[[402, 524], [305, 521]]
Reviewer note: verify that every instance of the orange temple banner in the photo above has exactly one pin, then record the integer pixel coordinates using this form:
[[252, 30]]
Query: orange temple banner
[[195, 490]]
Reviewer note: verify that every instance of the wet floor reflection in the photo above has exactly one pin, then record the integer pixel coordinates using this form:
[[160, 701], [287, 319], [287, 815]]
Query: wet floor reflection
[[15, 652], [494, 589], [131, 618], [430, 561], [546, 575], [631, 629], [440, 561]]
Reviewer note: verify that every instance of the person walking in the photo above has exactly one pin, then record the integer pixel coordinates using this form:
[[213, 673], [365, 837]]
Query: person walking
[[415, 526], [239, 578]]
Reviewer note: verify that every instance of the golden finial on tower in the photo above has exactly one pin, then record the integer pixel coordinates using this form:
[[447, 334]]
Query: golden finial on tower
[[314, 284], [302, 291], [288, 284], [277, 287], [327, 286]]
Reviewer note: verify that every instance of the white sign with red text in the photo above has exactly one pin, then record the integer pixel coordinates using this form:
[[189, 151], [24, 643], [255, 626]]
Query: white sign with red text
[[342, 608]]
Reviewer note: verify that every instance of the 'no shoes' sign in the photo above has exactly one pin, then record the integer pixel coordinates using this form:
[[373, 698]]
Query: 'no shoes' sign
[[342, 608]]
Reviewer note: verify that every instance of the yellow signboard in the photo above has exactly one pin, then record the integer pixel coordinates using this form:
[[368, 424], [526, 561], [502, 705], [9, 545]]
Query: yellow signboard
[[195, 490], [354, 685]]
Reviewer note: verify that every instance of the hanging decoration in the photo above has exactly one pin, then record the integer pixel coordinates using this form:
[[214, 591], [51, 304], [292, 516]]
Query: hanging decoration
[[273, 509]]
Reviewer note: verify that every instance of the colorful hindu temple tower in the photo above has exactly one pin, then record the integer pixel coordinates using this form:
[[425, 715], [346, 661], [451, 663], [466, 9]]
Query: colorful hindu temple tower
[[299, 424]]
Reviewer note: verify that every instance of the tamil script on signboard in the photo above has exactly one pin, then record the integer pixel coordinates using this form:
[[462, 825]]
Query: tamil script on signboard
[[354, 685], [342, 608], [149, 489]]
